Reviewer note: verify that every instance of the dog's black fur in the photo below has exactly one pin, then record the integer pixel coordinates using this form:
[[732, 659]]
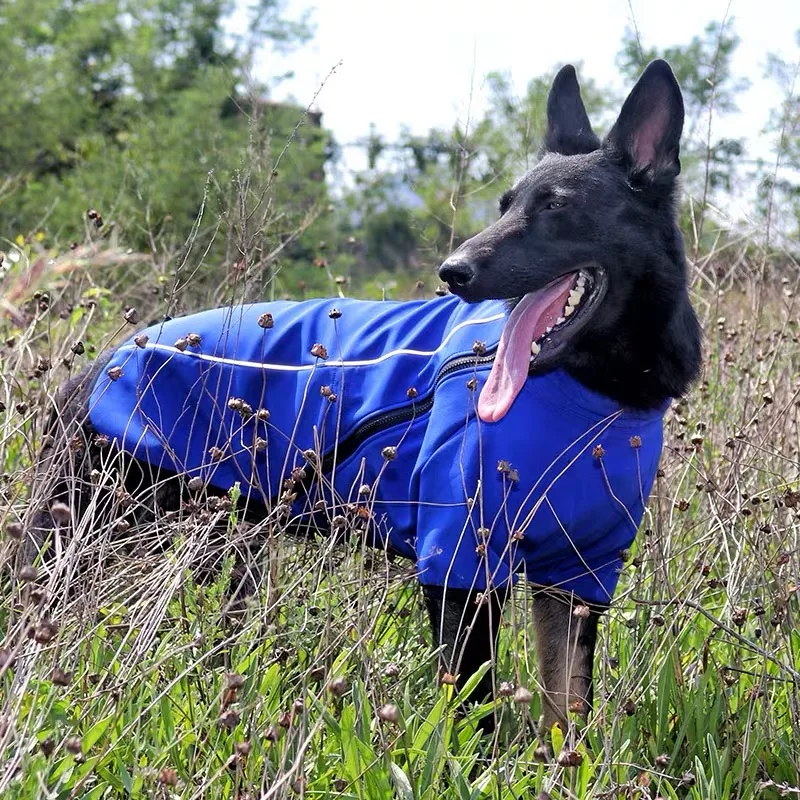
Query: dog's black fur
[[609, 208]]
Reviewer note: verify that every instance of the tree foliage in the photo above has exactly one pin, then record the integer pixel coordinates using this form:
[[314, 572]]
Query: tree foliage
[[139, 108]]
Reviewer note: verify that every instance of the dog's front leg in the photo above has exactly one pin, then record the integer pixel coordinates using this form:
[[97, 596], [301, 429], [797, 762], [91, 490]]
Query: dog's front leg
[[466, 623], [565, 630]]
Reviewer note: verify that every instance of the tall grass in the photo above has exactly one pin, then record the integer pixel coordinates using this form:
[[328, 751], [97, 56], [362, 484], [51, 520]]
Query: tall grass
[[124, 674]]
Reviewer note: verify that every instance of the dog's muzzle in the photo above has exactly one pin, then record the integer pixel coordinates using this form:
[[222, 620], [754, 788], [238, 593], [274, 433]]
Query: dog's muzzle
[[457, 273]]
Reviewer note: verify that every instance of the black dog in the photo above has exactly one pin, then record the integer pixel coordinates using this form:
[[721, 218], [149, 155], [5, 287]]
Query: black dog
[[484, 440]]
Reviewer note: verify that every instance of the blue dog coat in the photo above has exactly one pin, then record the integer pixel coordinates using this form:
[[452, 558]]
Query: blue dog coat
[[386, 394]]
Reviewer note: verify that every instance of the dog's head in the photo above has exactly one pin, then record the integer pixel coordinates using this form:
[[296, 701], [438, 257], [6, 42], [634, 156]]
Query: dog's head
[[587, 251]]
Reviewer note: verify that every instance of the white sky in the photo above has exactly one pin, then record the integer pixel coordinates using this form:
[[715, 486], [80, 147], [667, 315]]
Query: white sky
[[422, 63]]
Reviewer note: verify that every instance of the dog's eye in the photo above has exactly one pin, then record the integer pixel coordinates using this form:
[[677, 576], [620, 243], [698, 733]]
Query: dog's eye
[[554, 204]]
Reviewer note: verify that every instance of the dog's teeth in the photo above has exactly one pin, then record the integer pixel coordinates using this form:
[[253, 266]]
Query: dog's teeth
[[569, 311], [560, 320], [575, 297], [535, 348], [547, 330]]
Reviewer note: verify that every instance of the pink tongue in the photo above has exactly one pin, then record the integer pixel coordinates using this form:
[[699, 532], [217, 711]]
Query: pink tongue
[[528, 321]]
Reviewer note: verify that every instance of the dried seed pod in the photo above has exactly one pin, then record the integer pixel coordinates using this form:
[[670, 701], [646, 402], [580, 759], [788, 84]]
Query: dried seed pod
[[472, 384], [181, 344], [28, 573], [739, 616], [266, 320], [440, 291], [578, 706], [447, 679], [338, 687], [411, 393], [115, 373], [131, 316], [541, 754], [262, 414], [60, 678], [285, 719], [14, 530], [272, 733], [141, 340], [243, 748], [233, 680], [334, 313], [319, 351], [316, 674], [168, 776], [581, 611], [216, 453], [391, 670], [569, 758], [47, 746], [479, 348], [194, 340], [7, 658], [310, 456], [37, 595], [598, 451], [195, 484], [229, 719], [523, 695], [629, 707], [389, 453], [636, 442], [74, 745], [687, 780], [389, 712]]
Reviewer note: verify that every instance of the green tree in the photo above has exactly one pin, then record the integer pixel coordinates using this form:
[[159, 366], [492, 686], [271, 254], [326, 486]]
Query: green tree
[[139, 108], [779, 185], [429, 193], [703, 68]]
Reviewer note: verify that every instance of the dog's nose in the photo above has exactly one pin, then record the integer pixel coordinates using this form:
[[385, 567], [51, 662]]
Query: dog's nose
[[456, 272]]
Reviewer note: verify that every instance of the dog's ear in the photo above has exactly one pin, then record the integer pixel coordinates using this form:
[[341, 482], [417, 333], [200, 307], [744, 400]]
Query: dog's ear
[[569, 131], [646, 136]]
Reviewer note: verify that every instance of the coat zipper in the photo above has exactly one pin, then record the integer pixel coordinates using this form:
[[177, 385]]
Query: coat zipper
[[416, 409]]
